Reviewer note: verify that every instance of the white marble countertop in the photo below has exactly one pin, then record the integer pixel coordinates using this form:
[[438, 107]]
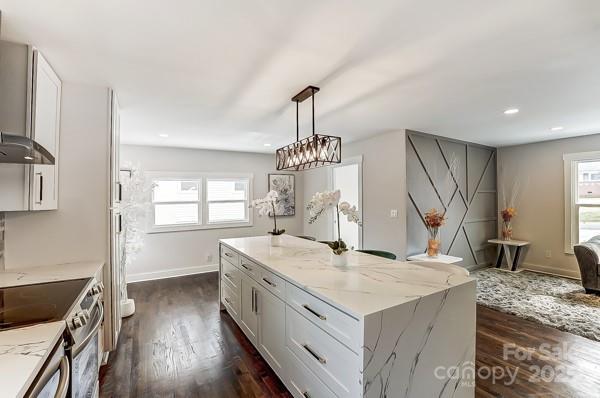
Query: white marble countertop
[[49, 273], [23, 351], [368, 284]]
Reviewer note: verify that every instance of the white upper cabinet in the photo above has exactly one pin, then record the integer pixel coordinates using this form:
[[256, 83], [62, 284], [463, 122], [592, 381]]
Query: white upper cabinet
[[45, 130], [30, 99]]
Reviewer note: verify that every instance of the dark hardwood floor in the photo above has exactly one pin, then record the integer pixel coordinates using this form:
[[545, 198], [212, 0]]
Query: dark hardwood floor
[[179, 345]]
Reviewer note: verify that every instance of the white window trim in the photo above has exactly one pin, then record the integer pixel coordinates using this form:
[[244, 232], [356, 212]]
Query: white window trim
[[203, 208], [571, 208]]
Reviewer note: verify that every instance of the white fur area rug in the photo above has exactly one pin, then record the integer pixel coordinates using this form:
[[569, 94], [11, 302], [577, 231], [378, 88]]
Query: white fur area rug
[[550, 300]]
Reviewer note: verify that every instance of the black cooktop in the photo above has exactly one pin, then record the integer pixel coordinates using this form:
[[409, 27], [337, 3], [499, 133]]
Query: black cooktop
[[44, 302]]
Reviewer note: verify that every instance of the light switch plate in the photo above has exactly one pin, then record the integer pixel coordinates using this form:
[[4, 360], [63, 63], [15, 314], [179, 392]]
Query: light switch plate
[[394, 213]]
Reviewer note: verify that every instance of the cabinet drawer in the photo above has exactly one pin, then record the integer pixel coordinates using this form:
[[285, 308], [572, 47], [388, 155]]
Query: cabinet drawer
[[230, 255], [230, 300], [231, 274], [335, 364], [272, 283], [302, 382], [250, 268], [335, 322]]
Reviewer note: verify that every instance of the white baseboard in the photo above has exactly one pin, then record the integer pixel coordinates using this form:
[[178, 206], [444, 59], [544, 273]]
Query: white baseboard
[[171, 273], [544, 269]]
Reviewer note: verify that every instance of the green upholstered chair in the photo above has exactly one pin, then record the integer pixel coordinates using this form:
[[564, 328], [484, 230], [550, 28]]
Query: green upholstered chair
[[379, 253]]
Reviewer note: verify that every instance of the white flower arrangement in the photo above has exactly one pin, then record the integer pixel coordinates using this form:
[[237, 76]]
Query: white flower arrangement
[[320, 202], [267, 206]]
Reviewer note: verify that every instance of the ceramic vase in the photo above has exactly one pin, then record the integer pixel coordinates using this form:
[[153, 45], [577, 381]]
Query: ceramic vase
[[339, 260], [275, 240]]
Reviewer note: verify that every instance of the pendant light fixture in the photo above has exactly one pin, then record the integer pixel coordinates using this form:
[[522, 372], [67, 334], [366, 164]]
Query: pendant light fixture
[[311, 152]]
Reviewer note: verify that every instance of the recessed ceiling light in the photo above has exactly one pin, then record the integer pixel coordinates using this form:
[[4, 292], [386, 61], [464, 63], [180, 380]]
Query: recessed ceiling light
[[164, 135], [557, 128], [267, 144], [511, 111], [28, 158]]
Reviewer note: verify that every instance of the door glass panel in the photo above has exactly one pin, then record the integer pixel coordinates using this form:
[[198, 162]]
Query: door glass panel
[[346, 179]]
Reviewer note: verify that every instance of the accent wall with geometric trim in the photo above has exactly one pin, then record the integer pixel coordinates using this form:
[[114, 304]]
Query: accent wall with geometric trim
[[467, 195]]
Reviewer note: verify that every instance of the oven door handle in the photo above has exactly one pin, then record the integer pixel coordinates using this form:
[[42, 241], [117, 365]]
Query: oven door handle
[[93, 331], [65, 376]]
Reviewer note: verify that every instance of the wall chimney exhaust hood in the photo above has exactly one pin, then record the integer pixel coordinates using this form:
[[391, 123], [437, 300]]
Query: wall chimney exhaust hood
[[22, 150]]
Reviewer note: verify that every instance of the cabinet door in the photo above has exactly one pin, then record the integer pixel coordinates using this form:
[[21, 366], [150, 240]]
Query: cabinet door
[[248, 308], [271, 330], [45, 130]]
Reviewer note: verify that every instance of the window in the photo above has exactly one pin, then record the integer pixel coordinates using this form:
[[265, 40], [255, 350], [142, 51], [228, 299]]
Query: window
[[582, 197], [227, 200], [188, 201]]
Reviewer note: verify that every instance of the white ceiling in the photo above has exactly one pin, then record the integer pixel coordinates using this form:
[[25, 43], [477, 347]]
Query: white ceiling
[[220, 74]]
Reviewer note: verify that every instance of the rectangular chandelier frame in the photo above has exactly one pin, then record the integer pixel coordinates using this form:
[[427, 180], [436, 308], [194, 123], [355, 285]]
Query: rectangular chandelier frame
[[311, 152]]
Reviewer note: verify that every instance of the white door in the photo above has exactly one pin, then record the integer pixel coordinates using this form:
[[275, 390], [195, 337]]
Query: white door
[[248, 316], [45, 130], [271, 330], [347, 177]]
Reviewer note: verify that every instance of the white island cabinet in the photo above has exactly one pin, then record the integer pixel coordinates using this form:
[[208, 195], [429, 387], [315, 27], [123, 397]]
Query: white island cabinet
[[375, 328]]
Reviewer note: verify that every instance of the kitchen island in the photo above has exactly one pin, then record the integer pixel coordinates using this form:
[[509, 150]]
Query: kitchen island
[[374, 328]]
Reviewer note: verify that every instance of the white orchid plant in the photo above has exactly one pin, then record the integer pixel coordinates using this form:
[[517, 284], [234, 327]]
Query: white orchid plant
[[267, 206], [320, 202]]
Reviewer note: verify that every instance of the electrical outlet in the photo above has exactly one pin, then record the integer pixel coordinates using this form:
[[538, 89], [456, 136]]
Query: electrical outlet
[[394, 213], [548, 253], [209, 258]]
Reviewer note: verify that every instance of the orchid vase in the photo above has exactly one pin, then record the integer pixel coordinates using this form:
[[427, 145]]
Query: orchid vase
[[339, 260], [275, 240]]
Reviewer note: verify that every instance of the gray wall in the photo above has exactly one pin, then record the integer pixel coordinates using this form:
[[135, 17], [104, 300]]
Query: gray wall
[[384, 189], [183, 252], [78, 230], [469, 198], [541, 203]]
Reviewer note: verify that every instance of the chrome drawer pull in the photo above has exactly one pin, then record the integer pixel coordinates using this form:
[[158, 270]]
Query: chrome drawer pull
[[228, 275], [315, 313], [269, 282], [306, 394], [314, 354], [228, 254], [245, 266]]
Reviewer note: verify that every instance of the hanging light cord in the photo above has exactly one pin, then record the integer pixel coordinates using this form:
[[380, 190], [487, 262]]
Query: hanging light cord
[[313, 110]]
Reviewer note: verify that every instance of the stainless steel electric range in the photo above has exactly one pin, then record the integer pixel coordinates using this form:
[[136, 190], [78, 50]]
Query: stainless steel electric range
[[72, 367]]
